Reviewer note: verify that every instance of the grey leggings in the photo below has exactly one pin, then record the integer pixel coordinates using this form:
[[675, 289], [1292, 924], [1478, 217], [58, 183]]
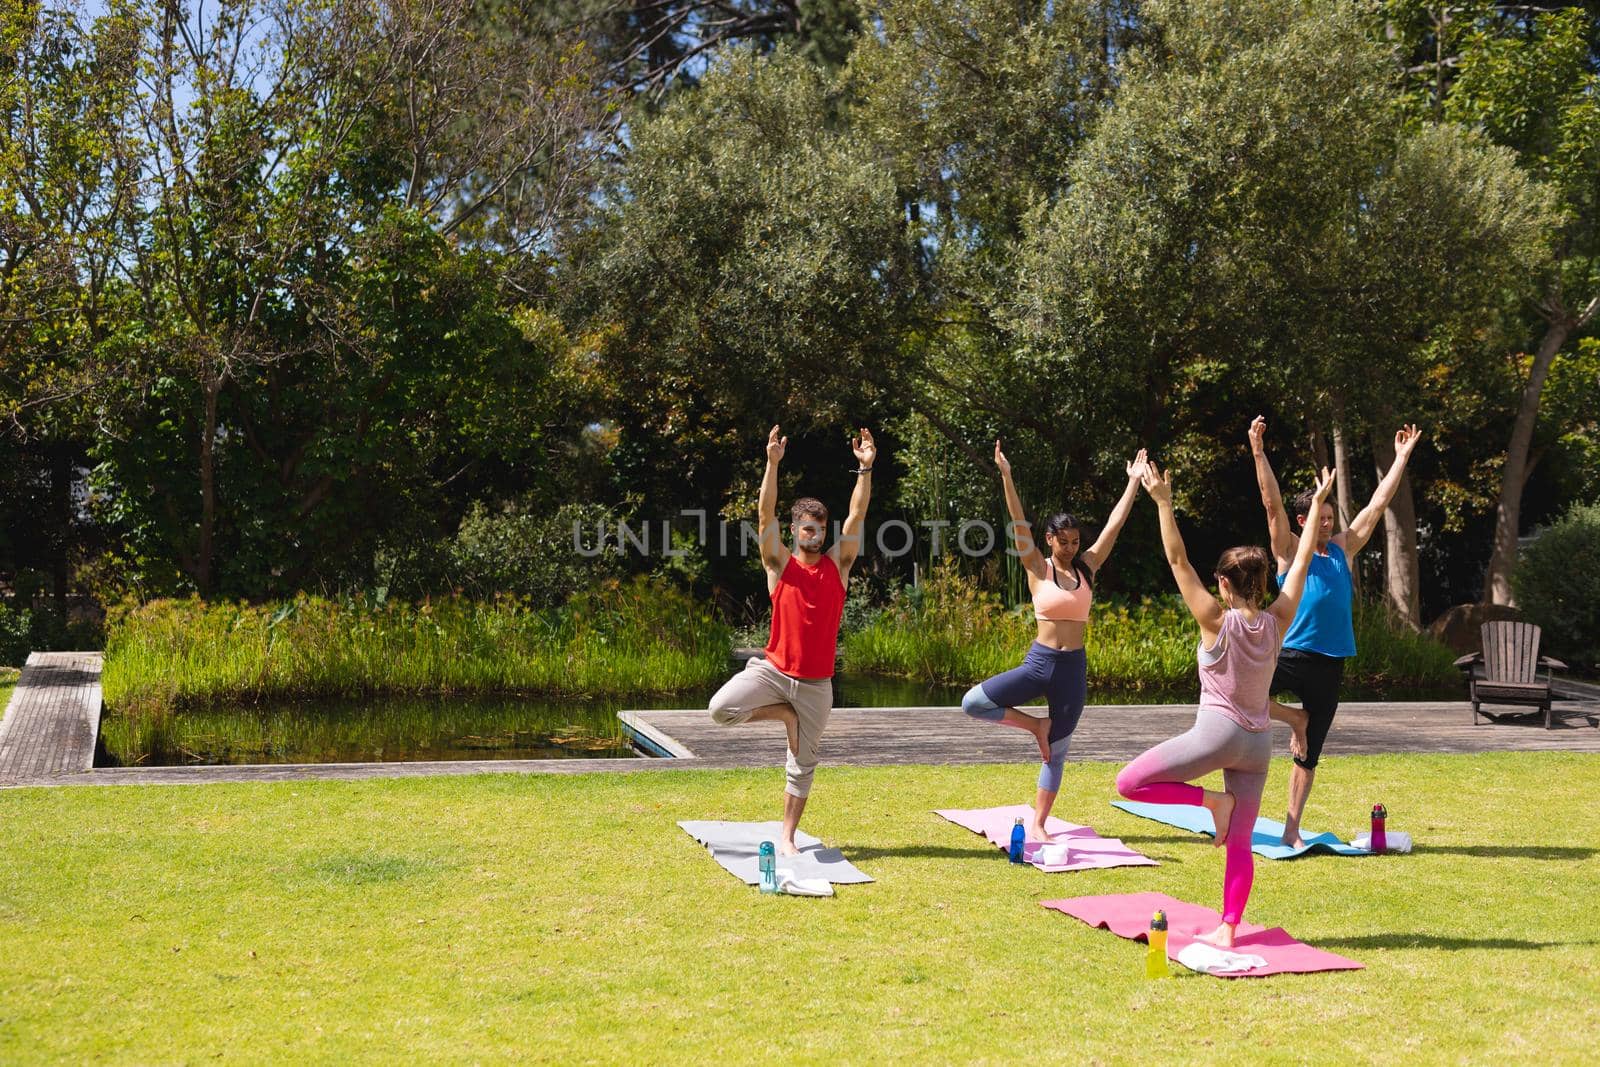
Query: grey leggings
[[1215, 743]]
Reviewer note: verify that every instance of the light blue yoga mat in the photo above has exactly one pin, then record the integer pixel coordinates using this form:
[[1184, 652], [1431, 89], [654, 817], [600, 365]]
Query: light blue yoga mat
[[1265, 841]]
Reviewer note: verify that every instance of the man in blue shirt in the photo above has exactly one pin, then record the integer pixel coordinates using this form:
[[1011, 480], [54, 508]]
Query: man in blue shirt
[[1322, 635]]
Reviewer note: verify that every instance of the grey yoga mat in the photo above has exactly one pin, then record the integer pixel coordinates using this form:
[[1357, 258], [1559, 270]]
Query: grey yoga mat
[[734, 845]]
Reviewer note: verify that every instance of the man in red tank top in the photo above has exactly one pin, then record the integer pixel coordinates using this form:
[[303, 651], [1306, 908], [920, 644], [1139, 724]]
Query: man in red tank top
[[793, 684]]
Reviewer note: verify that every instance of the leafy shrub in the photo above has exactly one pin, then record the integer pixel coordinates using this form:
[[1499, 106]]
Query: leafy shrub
[[1557, 582], [531, 553], [948, 630], [41, 630], [16, 639]]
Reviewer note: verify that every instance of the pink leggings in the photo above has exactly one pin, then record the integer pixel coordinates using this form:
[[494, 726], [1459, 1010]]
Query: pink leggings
[[1214, 743]]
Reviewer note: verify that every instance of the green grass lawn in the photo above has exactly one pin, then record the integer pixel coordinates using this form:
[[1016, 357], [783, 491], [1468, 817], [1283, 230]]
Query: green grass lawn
[[560, 919]]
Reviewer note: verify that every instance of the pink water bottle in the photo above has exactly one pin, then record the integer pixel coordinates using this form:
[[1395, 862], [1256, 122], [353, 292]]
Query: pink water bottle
[[1380, 840]]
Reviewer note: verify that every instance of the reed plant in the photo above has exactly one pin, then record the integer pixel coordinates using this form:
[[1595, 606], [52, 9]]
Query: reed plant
[[620, 639], [948, 630]]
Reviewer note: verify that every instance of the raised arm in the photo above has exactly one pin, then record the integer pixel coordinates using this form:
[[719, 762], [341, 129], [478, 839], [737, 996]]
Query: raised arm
[[1280, 532], [1021, 534], [774, 553], [1294, 583], [1202, 605], [1097, 554], [1365, 524], [849, 543]]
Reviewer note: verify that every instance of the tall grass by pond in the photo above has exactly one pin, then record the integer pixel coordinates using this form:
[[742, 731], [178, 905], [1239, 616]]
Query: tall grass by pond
[[620, 640], [948, 630]]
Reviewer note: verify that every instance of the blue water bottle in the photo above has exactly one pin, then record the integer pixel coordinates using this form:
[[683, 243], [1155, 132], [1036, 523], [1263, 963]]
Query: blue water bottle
[[767, 861], [1018, 835]]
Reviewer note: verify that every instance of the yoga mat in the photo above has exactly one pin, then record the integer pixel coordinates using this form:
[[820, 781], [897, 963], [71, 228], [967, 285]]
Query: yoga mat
[[1071, 847], [1128, 915], [1265, 841], [735, 845]]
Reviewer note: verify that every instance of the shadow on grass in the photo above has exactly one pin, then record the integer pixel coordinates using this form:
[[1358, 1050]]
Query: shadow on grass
[[1524, 852], [350, 868], [1163, 839], [940, 852], [855, 853], [1436, 941], [1521, 852]]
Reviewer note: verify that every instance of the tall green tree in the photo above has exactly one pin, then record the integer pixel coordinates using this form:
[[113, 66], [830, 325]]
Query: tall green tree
[[1539, 93], [755, 267], [65, 198], [977, 107], [1528, 76], [1254, 213], [322, 265]]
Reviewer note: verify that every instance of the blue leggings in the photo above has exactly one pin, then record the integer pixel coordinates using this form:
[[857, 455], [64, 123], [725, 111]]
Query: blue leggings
[[1058, 675]]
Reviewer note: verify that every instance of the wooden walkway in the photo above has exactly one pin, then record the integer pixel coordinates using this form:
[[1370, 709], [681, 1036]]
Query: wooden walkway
[[49, 731], [53, 719], [876, 736]]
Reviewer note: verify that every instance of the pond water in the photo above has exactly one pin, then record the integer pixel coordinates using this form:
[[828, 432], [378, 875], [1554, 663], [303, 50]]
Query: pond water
[[405, 729], [390, 729]]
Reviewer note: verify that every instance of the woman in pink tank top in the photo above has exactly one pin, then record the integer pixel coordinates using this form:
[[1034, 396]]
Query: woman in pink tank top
[[1237, 654], [1061, 580]]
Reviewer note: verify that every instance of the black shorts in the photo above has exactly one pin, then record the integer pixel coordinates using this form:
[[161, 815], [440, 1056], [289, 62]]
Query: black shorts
[[1315, 679]]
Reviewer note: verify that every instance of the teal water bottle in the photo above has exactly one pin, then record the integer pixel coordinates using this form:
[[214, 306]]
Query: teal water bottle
[[1018, 835], [767, 861]]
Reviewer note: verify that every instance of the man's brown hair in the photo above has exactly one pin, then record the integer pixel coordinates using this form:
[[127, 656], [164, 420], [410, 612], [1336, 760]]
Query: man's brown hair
[[809, 507]]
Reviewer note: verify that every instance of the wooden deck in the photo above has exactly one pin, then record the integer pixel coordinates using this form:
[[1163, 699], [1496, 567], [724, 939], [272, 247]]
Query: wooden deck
[[876, 736], [53, 719], [49, 731]]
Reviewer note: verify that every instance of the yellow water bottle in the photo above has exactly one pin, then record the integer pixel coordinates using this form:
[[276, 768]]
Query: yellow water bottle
[[1155, 961]]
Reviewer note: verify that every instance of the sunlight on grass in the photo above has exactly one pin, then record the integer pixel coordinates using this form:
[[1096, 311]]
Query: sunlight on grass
[[568, 918]]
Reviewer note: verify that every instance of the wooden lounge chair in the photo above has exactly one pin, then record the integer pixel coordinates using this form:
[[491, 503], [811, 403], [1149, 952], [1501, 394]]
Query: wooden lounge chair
[[1510, 661]]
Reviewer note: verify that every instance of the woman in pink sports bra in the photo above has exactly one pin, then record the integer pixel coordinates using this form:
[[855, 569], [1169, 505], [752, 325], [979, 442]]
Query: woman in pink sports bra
[[1238, 653], [1062, 584]]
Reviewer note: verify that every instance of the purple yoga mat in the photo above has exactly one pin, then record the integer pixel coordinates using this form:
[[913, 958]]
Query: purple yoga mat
[[1071, 847], [1128, 915]]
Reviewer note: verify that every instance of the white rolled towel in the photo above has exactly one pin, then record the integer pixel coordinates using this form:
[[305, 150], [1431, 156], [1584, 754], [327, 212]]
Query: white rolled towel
[[1209, 959], [1394, 841], [1051, 855], [803, 887]]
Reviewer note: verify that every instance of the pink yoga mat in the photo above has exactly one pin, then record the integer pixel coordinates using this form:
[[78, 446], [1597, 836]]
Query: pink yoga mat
[[1084, 849], [1128, 915]]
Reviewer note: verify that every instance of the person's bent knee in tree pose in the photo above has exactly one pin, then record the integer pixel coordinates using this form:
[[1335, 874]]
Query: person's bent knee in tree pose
[[793, 684], [1322, 636], [1232, 732], [1062, 585]]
